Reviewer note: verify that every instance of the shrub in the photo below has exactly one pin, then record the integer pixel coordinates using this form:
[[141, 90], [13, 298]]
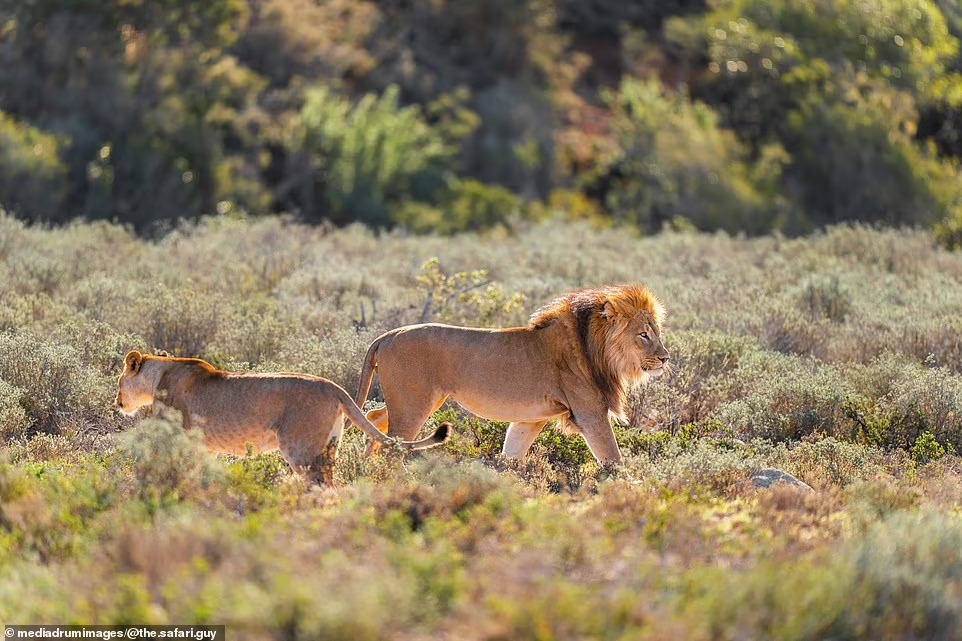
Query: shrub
[[169, 464], [469, 205], [465, 297], [824, 298], [829, 461], [785, 397], [63, 393], [13, 417], [700, 466], [903, 574], [926, 448], [45, 509], [702, 378], [182, 321]]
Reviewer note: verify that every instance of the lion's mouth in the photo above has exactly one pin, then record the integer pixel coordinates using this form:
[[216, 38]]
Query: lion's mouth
[[126, 411], [656, 372]]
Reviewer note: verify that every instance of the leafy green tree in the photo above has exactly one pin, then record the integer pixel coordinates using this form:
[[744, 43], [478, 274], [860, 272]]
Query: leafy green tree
[[768, 55], [368, 157], [839, 85], [673, 161], [32, 177], [855, 158], [143, 97]]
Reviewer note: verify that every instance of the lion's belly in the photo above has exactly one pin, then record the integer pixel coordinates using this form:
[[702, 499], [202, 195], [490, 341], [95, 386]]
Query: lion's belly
[[510, 409]]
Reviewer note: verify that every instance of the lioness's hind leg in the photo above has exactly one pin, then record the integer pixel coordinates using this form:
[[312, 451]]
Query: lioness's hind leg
[[379, 418], [312, 459], [321, 469], [519, 438]]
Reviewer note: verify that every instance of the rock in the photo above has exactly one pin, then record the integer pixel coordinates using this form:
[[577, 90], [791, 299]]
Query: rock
[[770, 476]]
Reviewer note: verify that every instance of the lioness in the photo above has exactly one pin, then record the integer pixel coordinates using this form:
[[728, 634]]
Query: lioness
[[296, 413], [572, 363]]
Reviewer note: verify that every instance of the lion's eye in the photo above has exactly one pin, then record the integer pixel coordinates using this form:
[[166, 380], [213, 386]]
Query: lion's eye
[[644, 335]]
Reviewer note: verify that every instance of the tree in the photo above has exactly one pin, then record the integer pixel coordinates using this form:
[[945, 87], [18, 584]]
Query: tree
[[673, 161]]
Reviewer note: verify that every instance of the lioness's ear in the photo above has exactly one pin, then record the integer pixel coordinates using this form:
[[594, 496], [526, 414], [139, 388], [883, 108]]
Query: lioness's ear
[[133, 361], [162, 352]]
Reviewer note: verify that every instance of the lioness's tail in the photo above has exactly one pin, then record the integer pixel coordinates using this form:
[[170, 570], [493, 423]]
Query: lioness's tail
[[356, 416]]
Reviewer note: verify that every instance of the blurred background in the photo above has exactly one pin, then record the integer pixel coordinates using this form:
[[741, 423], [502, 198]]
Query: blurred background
[[446, 115]]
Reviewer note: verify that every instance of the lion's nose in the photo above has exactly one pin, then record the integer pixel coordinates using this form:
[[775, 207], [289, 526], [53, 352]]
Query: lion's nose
[[664, 359]]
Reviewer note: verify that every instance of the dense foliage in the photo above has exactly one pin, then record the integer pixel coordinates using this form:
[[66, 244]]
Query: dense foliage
[[835, 358], [444, 116]]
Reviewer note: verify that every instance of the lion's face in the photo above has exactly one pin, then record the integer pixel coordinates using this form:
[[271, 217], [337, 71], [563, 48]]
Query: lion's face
[[135, 390], [641, 339]]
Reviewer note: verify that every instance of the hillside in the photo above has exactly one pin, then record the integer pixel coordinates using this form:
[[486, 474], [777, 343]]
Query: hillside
[[446, 116]]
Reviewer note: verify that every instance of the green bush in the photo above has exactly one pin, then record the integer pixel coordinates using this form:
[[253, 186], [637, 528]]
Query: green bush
[[469, 205], [853, 161], [926, 448], [903, 573], [783, 397]]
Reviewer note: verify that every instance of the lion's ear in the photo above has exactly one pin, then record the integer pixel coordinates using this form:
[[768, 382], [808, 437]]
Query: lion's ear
[[162, 352], [608, 311], [133, 361]]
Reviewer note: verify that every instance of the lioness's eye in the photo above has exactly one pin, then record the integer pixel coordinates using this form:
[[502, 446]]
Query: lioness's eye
[[644, 335]]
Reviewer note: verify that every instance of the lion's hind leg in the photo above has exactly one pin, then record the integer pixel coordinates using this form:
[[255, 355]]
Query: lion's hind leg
[[519, 438], [404, 418]]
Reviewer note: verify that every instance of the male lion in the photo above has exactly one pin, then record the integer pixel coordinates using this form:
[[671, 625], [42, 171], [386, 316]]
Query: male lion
[[296, 413], [572, 363]]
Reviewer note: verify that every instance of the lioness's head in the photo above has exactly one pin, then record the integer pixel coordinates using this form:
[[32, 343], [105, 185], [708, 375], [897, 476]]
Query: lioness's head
[[136, 388]]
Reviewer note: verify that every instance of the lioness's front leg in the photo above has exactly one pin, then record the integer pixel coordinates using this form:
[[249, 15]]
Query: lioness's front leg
[[519, 438]]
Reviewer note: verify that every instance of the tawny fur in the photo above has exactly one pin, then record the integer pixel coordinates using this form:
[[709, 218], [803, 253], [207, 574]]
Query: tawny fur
[[573, 363], [298, 414]]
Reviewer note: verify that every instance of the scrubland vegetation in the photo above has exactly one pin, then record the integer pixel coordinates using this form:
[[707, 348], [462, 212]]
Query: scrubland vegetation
[[835, 358]]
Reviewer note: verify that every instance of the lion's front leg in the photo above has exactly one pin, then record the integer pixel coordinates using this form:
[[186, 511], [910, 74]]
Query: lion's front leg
[[595, 428]]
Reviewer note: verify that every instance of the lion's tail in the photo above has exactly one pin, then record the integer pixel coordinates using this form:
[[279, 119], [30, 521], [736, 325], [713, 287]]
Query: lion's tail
[[367, 371], [356, 416], [352, 409]]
